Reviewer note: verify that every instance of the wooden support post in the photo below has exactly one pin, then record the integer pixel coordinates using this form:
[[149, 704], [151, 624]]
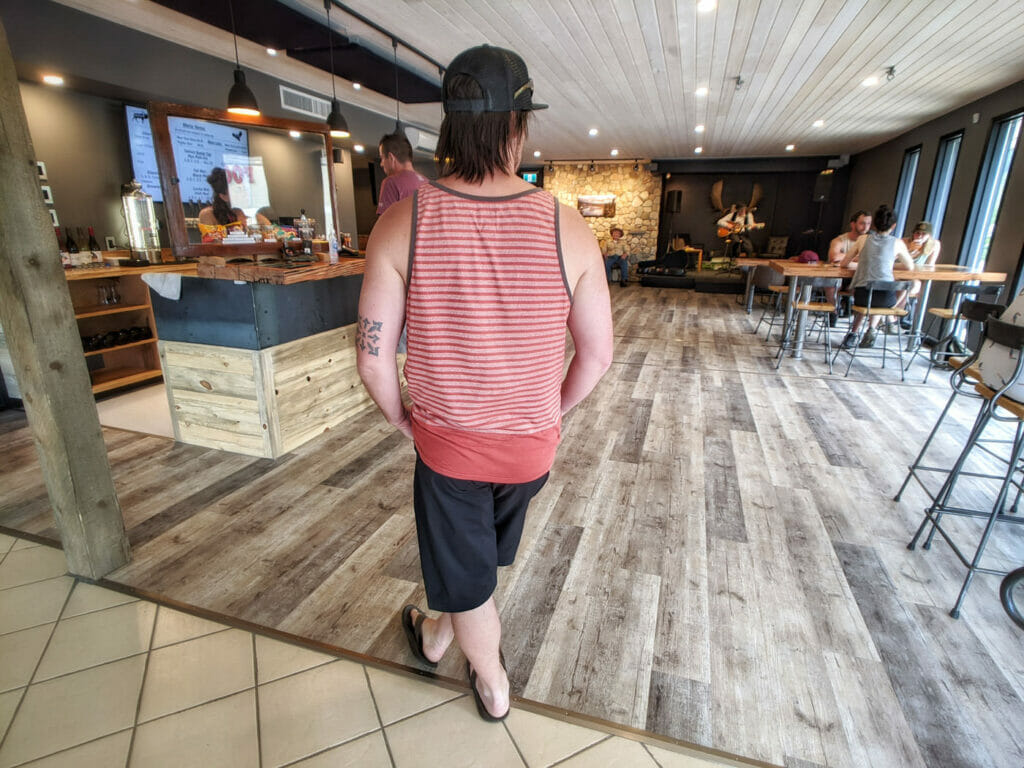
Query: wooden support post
[[39, 322]]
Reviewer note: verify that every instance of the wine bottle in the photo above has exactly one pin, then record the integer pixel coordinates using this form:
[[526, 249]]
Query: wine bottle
[[94, 248], [65, 257], [69, 242]]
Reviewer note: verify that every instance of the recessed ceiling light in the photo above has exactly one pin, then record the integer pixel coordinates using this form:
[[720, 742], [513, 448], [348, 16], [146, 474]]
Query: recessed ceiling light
[[357, 86], [592, 131], [702, 91], [818, 123], [706, 5], [699, 128], [271, 51], [359, 148], [294, 134], [53, 79], [536, 153], [698, 150], [869, 81], [790, 147], [615, 153]]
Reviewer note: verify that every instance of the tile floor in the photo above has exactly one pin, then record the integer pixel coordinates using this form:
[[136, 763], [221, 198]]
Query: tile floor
[[144, 409], [93, 677]]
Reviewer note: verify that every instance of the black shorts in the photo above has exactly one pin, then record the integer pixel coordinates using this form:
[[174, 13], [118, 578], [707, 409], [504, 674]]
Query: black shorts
[[878, 298], [466, 529]]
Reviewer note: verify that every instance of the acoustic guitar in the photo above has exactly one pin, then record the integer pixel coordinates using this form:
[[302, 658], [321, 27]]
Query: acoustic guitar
[[737, 226]]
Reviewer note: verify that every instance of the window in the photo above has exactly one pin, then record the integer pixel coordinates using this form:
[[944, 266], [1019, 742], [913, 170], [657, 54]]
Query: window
[[903, 190], [942, 181], [988, 192]]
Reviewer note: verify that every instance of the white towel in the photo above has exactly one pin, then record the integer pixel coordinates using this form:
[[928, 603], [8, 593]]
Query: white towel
[[167, 284]]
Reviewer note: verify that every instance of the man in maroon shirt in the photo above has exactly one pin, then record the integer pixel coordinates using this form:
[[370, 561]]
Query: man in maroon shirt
[[396, 160]]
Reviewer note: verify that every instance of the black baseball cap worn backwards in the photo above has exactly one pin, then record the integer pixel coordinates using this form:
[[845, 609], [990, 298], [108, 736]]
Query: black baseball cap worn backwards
[[502, 77]]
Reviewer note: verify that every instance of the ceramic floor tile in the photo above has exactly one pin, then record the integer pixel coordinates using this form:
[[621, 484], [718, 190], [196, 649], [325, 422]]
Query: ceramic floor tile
[[98, 637], [103, 753], [19, 653], [33, 604], [23, 566], [399, 696], [275, 659], [221, 733], [26, 544], [174, 626], [72, 701], [8, 703], [545, 740], [468, 741], [614, 752], [669, 759], [313, 710], [196, 671], [88, 597], [368, 751]]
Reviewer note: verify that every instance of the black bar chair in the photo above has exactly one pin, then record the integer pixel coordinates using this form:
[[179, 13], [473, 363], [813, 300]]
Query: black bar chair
[[996, 406], [869, 311], [949, 345], [962, 381]]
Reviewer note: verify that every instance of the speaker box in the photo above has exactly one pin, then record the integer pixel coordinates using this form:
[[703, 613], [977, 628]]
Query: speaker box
[[673, 200], [822, 187]]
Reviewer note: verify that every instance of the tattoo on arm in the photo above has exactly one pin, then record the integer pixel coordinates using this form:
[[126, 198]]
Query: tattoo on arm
[[368, 335]]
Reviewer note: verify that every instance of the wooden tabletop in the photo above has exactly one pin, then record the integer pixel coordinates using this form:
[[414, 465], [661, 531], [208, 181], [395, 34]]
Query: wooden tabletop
[[90, 273], [262, 273], [940, 273]]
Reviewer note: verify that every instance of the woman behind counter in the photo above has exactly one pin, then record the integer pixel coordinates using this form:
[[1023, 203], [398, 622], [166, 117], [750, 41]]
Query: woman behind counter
[[221, 212]]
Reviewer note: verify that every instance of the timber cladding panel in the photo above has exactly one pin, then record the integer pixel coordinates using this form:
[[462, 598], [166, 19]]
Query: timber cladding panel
[[262, 403]]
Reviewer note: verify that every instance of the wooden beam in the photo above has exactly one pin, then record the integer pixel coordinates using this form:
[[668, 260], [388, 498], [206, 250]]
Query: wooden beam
[[39, 322]]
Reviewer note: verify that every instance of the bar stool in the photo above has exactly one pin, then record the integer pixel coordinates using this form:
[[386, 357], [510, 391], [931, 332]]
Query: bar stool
[[995, 404], [869, 311], [820, 311], [944, 347], [775, 305], [964, 376]]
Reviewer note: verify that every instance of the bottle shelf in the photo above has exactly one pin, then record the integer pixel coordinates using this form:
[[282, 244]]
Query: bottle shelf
[[108, 309], [112, 378], [107, 350]]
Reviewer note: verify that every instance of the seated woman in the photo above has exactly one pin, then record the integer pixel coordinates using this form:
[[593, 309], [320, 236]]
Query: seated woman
[[874, 255], [924, 250]]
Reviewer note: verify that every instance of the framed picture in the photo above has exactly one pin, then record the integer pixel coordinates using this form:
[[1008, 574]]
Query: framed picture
[[41, 169], [596, 205], [53, 217], [109, 241], [47, 194]]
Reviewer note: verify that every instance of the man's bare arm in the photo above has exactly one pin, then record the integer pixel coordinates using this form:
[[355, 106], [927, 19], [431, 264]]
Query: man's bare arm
[[590, 318], [382, 313]]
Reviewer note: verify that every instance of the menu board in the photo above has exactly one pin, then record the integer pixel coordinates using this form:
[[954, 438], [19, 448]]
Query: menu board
[[199, 146]]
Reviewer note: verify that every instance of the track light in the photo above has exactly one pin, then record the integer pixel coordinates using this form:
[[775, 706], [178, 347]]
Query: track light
[[890, 73], [336, 122], [636, 166], [551, 167], [592, 166], [740, 82], [241, 100]]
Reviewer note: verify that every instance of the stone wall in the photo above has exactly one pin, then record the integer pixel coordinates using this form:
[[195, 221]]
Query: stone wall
[[637, 200]]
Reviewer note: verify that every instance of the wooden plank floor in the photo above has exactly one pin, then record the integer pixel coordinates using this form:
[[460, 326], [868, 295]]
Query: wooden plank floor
[[716, 557]]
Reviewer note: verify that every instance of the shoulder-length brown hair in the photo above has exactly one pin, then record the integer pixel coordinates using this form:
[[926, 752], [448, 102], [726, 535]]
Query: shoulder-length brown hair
[[473, 146]]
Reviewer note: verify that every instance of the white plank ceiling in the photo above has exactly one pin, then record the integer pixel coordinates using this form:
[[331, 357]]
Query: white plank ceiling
[[631, 68]]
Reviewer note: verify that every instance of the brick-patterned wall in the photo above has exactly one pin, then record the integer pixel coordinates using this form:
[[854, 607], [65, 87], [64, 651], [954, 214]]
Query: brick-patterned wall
[[637, 200]]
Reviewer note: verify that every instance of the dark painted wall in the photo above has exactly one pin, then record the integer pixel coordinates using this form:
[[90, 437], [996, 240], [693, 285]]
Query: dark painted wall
[[876, 172], [787, 207]]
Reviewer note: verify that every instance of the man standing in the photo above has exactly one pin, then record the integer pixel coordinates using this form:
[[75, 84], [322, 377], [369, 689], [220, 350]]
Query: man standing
[[488, 271], [402, 179]]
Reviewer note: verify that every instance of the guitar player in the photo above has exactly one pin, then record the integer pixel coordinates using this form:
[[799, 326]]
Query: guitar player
[[734, 227]]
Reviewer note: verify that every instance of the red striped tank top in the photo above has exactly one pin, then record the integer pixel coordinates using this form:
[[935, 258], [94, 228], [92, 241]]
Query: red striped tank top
[[486, 312]]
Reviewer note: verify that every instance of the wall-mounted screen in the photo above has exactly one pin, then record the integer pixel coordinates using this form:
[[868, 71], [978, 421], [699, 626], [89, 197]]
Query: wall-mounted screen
[[199, 146]]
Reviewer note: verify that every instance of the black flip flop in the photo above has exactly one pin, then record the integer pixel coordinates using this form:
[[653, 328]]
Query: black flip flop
[[480, 708], [414, 634]]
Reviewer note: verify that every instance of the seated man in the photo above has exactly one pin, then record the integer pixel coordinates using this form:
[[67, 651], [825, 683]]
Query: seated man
[[615, 256]]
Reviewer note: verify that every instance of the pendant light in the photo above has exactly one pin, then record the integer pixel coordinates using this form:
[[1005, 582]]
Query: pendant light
[[335, 121], [241, 100]]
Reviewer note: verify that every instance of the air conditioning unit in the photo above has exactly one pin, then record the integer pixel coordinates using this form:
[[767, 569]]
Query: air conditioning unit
[[422, 141]]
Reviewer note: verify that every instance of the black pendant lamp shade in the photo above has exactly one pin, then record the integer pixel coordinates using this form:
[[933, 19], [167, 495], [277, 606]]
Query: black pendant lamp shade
[[336, 121], [241, 100]]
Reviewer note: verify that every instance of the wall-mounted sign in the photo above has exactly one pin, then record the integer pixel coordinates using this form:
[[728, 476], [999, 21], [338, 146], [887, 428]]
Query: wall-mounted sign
[[596, 205]]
